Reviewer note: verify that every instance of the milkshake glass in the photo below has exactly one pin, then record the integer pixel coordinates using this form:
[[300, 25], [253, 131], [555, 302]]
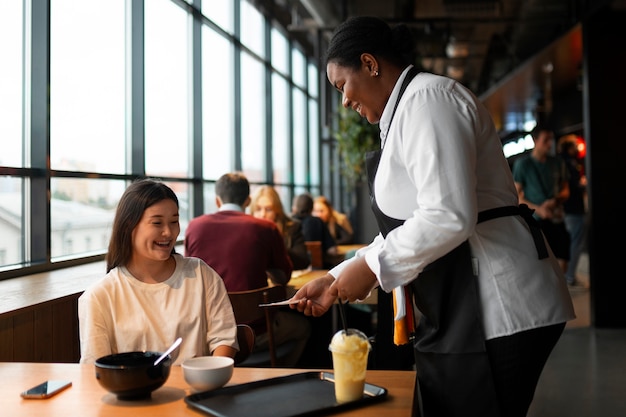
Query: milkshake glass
[[350, 349]]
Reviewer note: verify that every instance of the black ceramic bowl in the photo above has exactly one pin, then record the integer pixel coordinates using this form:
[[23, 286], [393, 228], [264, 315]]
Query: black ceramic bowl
[[132, 375]]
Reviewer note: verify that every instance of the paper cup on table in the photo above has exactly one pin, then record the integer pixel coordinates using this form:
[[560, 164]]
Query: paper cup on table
[[350, 350]]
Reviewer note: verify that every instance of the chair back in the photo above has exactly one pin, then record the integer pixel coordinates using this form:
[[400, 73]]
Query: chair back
[[245, 338], [246, 308], [314, 248]]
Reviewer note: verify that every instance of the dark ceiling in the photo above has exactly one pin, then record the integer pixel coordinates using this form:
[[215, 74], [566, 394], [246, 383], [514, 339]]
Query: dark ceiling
[[494, 47], [476, 41]]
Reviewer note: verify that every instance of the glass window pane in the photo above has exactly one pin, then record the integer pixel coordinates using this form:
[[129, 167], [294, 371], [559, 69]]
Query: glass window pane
[[300, 154], [12, 221], [87, 98], [218, 135], [182, 190], [11, 83], [314, 141], [280, 51], [81, 215], [299, 73], [220, 12], [253, 118], [167, 89], [209, 197], [252, 24], [82, 212], [285, 198], [299, 190], [313, 80], [280, 129]]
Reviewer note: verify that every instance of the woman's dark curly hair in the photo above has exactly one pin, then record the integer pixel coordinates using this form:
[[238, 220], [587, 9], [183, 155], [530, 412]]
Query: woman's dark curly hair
[[363, 34], [140, 195]]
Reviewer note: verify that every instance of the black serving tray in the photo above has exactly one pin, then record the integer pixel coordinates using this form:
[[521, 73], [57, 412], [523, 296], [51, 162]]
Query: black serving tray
[[302, 394]]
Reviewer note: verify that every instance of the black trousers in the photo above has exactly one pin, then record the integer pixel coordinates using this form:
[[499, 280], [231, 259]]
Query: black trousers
[[517, 362]]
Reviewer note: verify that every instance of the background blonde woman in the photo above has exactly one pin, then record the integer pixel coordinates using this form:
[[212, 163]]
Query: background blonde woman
[[338, 223], [266, 204]]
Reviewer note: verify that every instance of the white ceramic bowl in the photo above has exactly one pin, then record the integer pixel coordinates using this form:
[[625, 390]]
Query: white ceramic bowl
[[206, 373]]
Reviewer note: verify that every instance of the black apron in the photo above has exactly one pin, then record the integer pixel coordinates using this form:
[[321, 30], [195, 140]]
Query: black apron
[[453, 372]]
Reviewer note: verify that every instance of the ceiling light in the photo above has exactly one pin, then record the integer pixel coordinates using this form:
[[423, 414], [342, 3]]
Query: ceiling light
[[456, 49]]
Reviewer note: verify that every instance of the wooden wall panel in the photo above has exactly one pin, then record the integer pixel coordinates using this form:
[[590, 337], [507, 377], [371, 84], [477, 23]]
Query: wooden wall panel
[[6, 339], [43, 333], [65, 331], [23, 337]]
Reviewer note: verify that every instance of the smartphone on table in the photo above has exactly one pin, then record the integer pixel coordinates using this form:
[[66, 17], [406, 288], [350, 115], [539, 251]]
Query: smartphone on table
[[46, 389]]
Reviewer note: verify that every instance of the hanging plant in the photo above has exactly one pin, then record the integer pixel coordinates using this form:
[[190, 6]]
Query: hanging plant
[[355, 137]]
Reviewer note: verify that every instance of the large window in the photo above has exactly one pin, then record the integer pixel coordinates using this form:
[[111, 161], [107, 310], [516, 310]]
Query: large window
[[300, 144], [299, 67], [252, 28], [12, 220], [82, 213], [96, 94], [253, 117], [314, 125], [281, 137], [87, 122], [167, 89], [280, 51], [87, 96], [314, 144], [221, 13], [280, 129], [217, 104], [11, 83]]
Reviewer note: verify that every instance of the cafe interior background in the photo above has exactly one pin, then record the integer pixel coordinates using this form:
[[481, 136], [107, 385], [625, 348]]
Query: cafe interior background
[[94, 94]]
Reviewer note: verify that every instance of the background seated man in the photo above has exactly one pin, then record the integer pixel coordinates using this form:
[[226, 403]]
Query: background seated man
[[244, 250]]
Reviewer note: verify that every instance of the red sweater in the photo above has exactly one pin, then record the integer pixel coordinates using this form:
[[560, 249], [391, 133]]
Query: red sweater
[[240, 247]]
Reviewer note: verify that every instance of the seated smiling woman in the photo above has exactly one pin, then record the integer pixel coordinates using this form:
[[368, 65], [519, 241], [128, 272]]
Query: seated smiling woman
[[151, 295]]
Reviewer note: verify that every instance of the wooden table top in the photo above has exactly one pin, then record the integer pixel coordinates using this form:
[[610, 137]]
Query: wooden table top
[[298, 280], [87, 398], [344, 249]]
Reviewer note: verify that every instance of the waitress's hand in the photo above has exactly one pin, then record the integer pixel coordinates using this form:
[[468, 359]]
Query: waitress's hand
[[356, 282], [314, 297]]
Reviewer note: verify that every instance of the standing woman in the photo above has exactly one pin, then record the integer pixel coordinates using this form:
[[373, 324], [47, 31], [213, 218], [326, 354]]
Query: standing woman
[[266, 205], [492, 298], [151, 295]]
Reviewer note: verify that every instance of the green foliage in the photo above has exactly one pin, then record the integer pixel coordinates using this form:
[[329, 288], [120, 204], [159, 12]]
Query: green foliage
[[355, 136]]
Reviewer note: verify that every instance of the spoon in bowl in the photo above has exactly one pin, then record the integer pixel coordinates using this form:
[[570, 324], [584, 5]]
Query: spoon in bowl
[[168, 351]]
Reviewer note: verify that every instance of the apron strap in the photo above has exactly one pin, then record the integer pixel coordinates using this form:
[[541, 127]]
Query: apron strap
[[527, 214]]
